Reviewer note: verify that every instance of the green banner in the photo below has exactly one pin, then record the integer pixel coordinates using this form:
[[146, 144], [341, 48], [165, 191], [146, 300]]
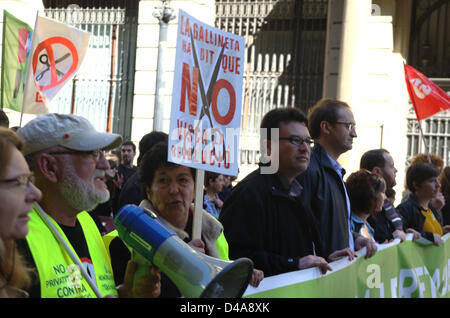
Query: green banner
[[16, 42], [407, 269]]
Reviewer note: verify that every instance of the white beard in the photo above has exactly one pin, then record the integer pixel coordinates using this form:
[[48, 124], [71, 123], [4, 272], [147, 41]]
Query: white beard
[[80, 195]]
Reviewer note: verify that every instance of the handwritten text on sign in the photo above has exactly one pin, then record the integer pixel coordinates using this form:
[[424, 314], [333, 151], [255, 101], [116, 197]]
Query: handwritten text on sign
[[207, 97]]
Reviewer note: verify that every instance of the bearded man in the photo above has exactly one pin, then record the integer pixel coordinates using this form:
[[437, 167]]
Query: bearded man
[[65, 153]]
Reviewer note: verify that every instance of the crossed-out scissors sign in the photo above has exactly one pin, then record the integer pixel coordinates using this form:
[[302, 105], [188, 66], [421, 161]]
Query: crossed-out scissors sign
[[205, 136], [56, 53], [54, 60]]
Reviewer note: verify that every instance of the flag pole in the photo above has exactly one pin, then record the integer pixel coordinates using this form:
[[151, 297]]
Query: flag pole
[[411, 95], [28, 70]]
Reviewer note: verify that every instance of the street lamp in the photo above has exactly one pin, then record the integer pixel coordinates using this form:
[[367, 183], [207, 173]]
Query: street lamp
[[164, 14]]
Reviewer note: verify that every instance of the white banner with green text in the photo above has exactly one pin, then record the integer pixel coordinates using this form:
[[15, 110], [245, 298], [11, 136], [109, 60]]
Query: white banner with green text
[[406, 269]]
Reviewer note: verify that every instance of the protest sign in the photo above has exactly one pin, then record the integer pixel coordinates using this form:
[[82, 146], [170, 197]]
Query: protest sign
[[57, 51], [207, 96]]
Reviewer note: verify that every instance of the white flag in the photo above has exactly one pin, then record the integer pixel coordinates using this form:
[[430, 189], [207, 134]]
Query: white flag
[[56, 53]]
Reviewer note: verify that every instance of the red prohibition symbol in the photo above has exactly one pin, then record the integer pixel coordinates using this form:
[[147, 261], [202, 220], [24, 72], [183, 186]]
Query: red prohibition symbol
[[47, 46]]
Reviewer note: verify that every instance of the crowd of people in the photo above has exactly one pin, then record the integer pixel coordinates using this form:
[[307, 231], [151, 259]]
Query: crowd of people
[[62, 183]]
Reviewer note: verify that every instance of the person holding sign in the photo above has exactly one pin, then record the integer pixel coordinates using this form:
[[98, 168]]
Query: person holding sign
[[263, 217], [169, 190], [65, 153]]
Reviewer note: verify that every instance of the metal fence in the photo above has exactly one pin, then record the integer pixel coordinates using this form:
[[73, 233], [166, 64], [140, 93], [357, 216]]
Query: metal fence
[[94, 90], [284, 58]]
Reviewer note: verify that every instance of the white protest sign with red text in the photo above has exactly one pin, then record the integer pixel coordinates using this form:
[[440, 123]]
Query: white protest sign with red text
[[56, 53], [207, 96]]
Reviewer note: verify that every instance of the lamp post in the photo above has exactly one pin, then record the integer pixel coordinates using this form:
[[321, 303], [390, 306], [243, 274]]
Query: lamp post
[[164, 14]]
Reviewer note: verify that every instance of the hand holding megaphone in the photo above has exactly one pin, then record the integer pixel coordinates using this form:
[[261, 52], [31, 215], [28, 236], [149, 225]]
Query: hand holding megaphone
[[194, 274]]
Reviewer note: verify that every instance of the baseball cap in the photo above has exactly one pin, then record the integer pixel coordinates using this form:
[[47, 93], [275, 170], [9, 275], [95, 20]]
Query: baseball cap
[[66, 130]]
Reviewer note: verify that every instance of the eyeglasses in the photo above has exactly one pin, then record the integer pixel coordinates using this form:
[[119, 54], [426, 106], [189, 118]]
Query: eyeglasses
[[96, 154], [23, 180], [297, 140], [349, 126]]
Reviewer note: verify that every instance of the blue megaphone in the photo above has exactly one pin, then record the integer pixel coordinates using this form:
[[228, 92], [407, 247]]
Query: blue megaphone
[[195, 274]]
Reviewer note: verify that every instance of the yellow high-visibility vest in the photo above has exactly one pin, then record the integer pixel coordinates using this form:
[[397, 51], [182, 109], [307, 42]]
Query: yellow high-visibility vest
[[59, 276]]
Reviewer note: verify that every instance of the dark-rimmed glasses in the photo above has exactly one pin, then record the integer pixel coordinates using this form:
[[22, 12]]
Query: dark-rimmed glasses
[[349, 126], [297, 140]]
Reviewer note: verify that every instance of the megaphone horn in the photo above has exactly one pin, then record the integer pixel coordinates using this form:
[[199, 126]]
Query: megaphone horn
[[194, 274]]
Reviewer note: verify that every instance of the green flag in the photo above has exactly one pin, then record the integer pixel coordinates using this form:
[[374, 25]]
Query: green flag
[[16, 43]]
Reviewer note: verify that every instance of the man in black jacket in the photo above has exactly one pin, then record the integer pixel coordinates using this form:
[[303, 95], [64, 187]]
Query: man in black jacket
[[263, 217], [387, 223], [332, 127]]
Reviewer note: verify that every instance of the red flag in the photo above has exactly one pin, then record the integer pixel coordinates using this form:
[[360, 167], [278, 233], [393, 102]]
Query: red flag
[[426, 97]]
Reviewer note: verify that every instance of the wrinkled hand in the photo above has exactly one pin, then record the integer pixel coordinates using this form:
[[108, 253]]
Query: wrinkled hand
[[370, 245], [148, 286], [313, 261], [342, 253], [257, 277], [198, 245], [400, 235], [416, 235]]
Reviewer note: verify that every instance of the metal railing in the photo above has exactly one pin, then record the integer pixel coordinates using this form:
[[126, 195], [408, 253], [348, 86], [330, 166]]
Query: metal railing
[[284, 58], [93, 91]]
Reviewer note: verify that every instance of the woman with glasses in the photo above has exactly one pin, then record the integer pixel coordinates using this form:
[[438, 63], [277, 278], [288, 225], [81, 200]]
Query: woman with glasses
[[366, 194], [17, 194]]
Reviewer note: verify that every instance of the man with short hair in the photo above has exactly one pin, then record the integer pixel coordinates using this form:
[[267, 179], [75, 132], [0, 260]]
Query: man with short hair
[[65, 153], [332, 127], [388, 223], [126, 167], [263, 216]]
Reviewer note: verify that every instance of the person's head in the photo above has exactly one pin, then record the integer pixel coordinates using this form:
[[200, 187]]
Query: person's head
[[227, 180], [168, 186], [4, 120], [128, 152], [149, 140], [390, 195], [66, 154], [214, 182], [294, 145], [365, 191], [331, 124], [445, 181], [17, 193], [380, 162], [436, 161], [422, 179]]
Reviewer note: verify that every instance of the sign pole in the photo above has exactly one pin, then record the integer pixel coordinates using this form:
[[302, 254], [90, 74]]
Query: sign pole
[[197, 222]]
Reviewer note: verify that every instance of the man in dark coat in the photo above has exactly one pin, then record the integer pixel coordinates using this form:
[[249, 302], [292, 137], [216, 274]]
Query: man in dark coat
[[332, 127], [263, 217], [387, 223]]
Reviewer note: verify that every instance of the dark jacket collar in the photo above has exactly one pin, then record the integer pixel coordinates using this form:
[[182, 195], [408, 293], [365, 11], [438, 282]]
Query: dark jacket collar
[[322, 157]]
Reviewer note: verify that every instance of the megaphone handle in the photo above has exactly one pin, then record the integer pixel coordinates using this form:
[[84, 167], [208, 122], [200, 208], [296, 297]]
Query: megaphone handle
[[74, 258]]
